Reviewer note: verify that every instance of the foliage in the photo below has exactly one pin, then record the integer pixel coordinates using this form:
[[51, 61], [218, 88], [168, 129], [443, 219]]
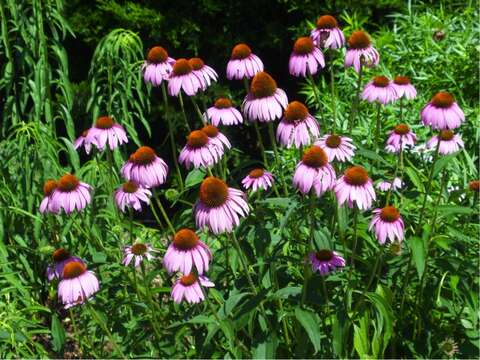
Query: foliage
[[394, 303]]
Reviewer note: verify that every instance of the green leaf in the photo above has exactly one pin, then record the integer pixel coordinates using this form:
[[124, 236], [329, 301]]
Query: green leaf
[[372, 156], [412, 174], [72, 154], [267, 348], [194, 177], [418, 253], [58, 334], [287, 291], [454, 209], [441, 163], [360, 338], [310, 323]]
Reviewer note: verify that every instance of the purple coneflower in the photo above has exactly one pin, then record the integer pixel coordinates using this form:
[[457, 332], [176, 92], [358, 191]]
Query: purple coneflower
[[355, 186], [183, 77], [219, 207], [449, 347], [199, 151], [327, 34], [106, 130], [442, 112], [265, 102], [401, 134], [297, 126], [223, 113], [46, 204], [216, 137], [326, 261], [258, 179], [77, 285], [314, 171], [337, 147], [185, 252], [131, 195], [60, 258], [145, 168], [243, 63], [158, 66], [305, 58], [404, 88], [397, 183], [360, 51], [379, 89], [449, 142], [137, 252], [83, 140], [70, 194], [388, 224], [204, 72], [188, 287]]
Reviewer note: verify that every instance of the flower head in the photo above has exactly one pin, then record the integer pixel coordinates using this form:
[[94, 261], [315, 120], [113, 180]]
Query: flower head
[[60, 258], [106, 131], [314, 171], [216, 137], [224, 113], [204, 72], [404, 88], [449, 347], [388, 224], [188, 287], [397, 183], [77, 285], [258, 179], [84, 141], [265, 102], [337, 147], [158, 66], [449, 142], [70, 194], [355, 187], [184, 78], [200, 151], [305, 58], [380, 89], [327, 33], [400, 137], [187, 251], [474, 185], [360, 51], [145, 168], [137, 252], [219, 207], [442, 112], [131, 195], [325, 261], [297, 126], [46, 204], [243, 63]]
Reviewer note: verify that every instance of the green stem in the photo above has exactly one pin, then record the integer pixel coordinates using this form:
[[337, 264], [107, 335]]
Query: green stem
[[355, 238], [355, 102], [182, 106], [198, 111], [164, 213], [171, 135], [316, 95], [104, 327], [378, 125], [277, 157], [260, 143], [334, 103], [152, 304], [387, 201]]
